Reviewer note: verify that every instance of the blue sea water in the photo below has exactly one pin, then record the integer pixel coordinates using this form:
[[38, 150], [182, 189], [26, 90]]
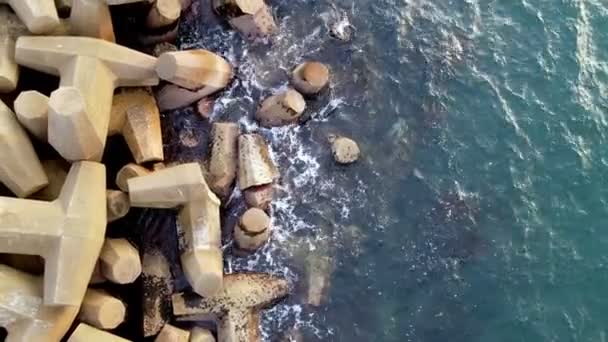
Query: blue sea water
[[477, 211]]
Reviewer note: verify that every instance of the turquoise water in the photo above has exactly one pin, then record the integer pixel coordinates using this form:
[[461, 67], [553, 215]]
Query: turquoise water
[[478, 210]]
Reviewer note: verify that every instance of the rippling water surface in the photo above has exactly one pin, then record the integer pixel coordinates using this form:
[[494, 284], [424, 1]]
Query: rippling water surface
[[478, 211]]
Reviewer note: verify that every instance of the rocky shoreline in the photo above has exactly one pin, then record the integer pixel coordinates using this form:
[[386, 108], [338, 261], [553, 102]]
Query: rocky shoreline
[[134, 277]]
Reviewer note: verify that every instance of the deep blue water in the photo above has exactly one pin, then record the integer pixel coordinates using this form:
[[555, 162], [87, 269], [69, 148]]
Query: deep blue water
[[478, 210]]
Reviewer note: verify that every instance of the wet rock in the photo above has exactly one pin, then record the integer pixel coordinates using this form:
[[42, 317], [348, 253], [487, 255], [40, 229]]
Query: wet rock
[[252, 18], [224, 157], [237, 306], [259, 196], [253, 230], [281, 109], [310, 78], [255, 165], [344, 150]]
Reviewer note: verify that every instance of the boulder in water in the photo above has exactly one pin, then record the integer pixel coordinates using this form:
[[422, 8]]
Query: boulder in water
[[344, 150]]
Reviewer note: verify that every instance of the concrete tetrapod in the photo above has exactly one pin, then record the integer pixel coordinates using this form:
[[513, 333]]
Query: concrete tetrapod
[[281, 109], [40, 16], [170, 333], [91, 18], [224, 157], [68, 232], [9, 70], [102, 310], [255, 165], [199, 220], [119, 261], [127, 172], [118, 205], [90, 69], [86, 333], [237, 305], [309, 78], [32, 109], [194, 69], [163, 13], [56, 171], [135, 115], [22, 312], [252, 18], [252, 230], [20, 170], [11, 29]]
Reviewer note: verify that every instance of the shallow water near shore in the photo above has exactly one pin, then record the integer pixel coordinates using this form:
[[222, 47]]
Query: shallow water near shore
[[476, 211]]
